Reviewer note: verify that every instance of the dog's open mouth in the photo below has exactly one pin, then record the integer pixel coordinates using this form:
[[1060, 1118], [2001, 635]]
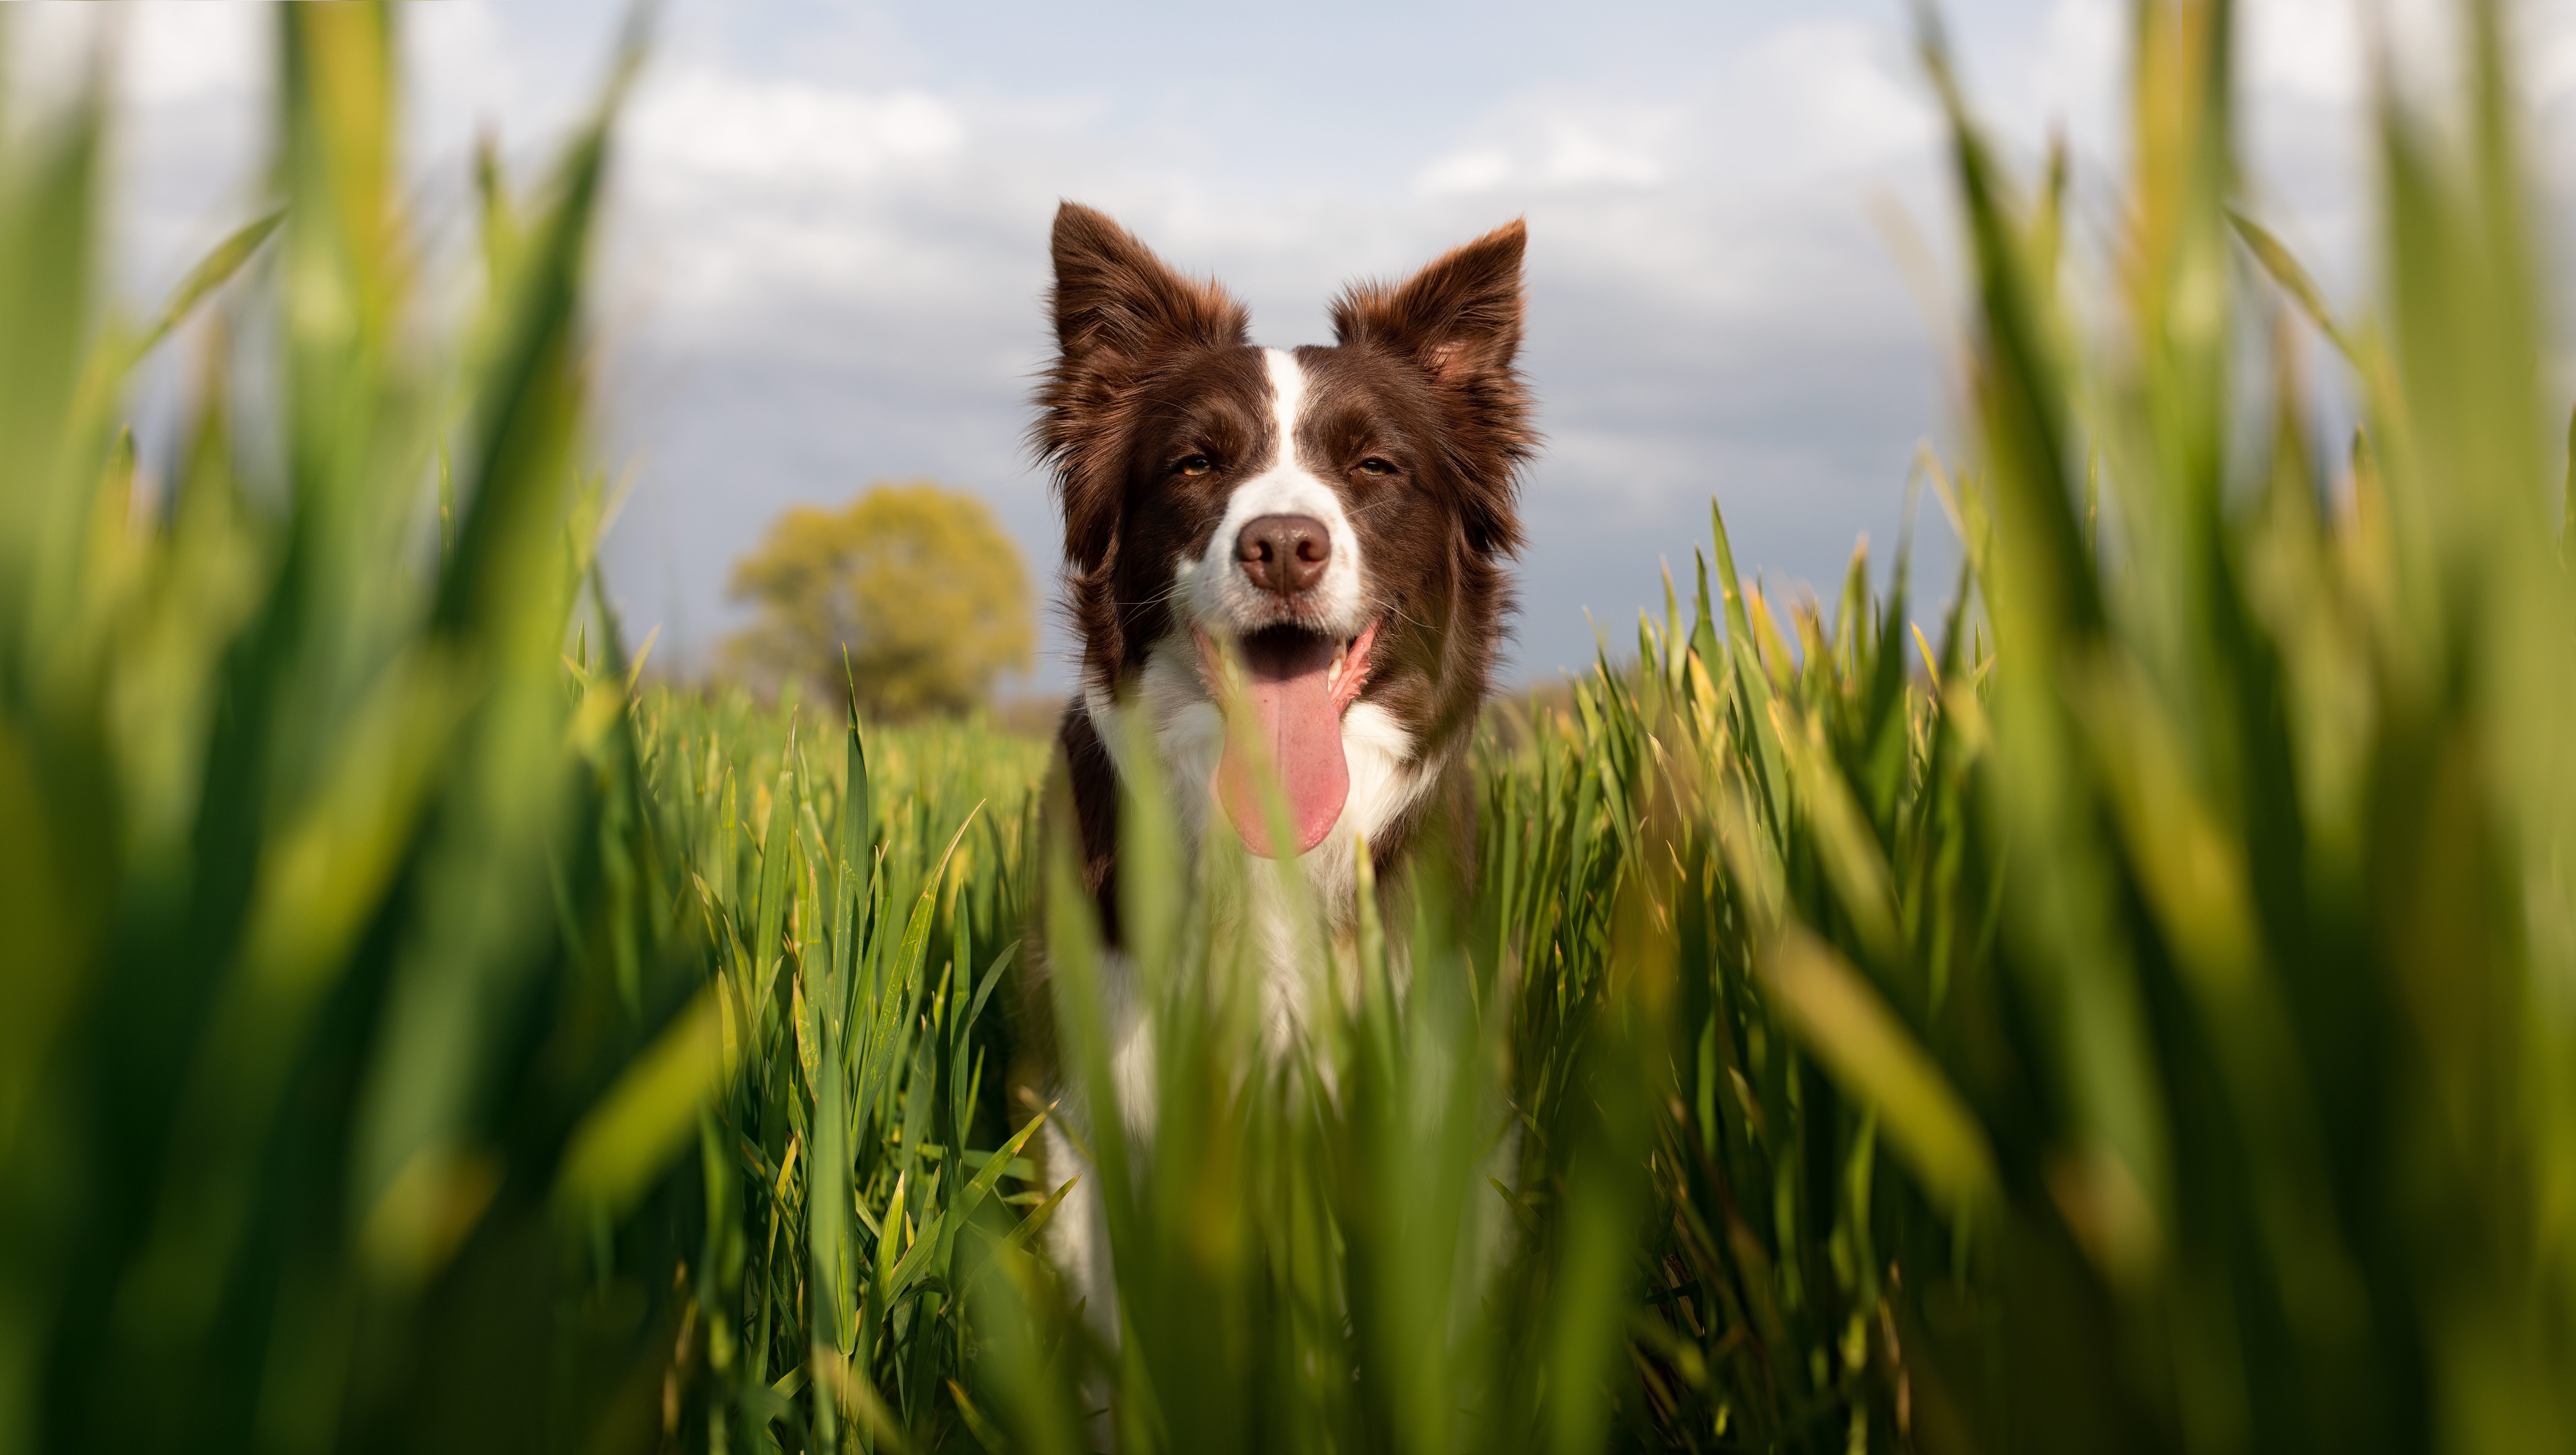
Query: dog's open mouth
[[1296, 685]]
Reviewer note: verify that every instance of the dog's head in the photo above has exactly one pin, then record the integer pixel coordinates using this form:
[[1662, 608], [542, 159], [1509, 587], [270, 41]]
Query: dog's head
[[1336, 515]]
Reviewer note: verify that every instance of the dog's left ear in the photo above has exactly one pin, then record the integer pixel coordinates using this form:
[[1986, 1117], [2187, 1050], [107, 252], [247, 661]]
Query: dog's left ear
[[1459, 320]]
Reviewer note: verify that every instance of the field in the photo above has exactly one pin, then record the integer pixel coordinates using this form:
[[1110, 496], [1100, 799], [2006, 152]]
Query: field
[[2131, 1005]]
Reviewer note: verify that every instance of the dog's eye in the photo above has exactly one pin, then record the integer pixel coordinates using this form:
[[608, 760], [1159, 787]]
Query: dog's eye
[[1196, 465], [1376, 466]]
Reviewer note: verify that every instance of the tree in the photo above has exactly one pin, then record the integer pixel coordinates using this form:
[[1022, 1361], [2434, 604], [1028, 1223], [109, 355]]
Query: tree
[[917, 581]]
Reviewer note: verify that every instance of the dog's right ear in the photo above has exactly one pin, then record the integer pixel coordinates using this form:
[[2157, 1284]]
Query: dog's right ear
[[1114, 300], [1117, 308]]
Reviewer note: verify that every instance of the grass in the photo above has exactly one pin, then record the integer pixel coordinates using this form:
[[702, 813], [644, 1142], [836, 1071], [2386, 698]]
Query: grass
[[339, 939], [2134, 1013]]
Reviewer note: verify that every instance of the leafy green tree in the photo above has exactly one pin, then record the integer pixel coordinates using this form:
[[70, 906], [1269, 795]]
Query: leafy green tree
[[917, 581]]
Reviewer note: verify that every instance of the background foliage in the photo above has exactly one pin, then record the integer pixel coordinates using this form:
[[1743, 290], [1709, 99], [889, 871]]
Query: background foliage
[[918, 582], [2140, 1016]]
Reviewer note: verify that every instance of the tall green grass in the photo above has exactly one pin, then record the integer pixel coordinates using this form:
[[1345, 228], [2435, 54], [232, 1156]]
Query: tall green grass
[[867, 900], [2191, 925], [348, 994], [2134, 1009]]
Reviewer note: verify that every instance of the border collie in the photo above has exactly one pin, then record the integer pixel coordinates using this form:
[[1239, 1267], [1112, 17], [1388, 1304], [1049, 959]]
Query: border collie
[[1333, 522]]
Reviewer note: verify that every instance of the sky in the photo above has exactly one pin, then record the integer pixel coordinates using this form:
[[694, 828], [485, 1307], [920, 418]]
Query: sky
[[827, 243]]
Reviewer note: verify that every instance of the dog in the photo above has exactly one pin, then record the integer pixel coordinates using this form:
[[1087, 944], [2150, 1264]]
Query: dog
[[1331, 526]]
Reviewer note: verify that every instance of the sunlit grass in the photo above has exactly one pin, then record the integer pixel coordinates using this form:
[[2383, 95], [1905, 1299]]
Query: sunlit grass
[[2129, 1009]]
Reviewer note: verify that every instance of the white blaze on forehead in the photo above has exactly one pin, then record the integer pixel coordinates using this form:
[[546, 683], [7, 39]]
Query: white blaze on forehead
[[1214, 585], [1287, 400]]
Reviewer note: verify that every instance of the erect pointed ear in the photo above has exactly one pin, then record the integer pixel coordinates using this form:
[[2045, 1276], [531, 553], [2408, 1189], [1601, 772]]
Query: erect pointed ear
[[1112, 294], [1460, 317], [1459, 320], [1116, 306]]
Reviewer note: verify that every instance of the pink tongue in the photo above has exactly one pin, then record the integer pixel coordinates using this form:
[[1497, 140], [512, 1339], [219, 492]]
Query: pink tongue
[[1294, 717]]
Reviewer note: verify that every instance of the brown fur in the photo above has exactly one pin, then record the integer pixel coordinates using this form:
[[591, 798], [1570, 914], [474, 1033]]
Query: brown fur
[[1156, 409], [1153, 366]]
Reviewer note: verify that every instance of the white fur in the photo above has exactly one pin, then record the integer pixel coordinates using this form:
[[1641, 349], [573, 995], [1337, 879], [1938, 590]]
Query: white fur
[[1189, 733], [1387, 777], [1077, 1233], [1220, 596]]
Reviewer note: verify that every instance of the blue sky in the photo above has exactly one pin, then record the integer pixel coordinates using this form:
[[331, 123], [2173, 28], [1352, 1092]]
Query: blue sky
[[830, 231]]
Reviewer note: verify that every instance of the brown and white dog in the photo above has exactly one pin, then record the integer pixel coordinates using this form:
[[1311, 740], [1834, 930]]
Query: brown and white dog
[[1339, 517], [1341, 514]]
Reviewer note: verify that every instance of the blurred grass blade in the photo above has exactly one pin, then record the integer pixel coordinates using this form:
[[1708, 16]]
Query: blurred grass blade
[[214, 270], [624, 1143], [2286, 270], [1869, 1051]]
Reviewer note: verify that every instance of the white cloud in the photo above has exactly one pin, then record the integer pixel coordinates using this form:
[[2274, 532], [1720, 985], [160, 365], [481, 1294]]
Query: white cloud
[[704, 126], [1565, 146], [1474, 169], [1805, 100], [1827, 97], [2076, 82], [826, 257], [2304, 50], [183, 54]]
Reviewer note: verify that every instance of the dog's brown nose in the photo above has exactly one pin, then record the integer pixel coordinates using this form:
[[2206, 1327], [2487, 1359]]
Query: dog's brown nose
[[1284, 553]]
